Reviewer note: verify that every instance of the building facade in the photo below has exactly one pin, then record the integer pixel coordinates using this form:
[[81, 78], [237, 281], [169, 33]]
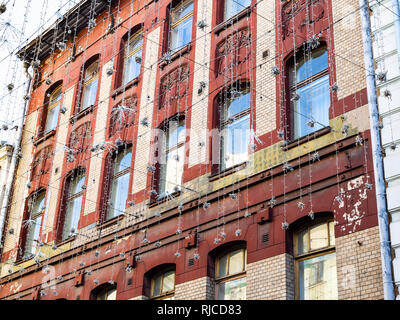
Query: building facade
[[195, 150], [386, 52]]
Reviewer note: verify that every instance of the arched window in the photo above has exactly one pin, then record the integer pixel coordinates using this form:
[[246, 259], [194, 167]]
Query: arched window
[[32, 225], [315, 258], [107, 292], [53, 109], [89, 85], [309, 92], [162, 286], [132, 57], [181, 25], [233, 7], [119, 187], [171, 151], [230, 274], [73, 196], [234, 125]]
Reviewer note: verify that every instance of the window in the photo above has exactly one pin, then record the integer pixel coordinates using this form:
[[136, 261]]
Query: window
[[235, 126], [90, 84], [172, 151], [316, 262], [120, 183], [133, 57], [73, 202], [181, 25], [233, 7], [230, 275], [53, 110], [310, 94], [162, 285], [106, 293], [36, 205]]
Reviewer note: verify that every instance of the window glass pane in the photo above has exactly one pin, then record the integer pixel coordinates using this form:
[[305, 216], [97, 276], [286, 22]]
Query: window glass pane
[[72, 216], [181, 11], [233, 7], [309, 67], [132, 67], [232, 290], [171, 172], [331, 233], [302, 242], [181, 34], [32, 236], [237, 105], [317, 278], [169, 281], [319, 236], [236, 262], [157, 286], [37, 203], [112, 294], [52, 118], [123, 161], [89, 94], [119, 195], [313, 105], [235, 141], [175, 133], [222, 266], [76, 184], [92, 71]]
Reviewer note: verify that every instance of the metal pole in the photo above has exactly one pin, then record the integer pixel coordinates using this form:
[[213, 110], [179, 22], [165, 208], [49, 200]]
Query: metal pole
[[14, 162], [377, 154], [396, 11]]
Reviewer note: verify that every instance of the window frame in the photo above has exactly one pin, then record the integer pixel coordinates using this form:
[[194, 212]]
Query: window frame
[[229, 277], [222, 123], [294, 86], [126, 46], [32, 216], [310, 254], [172, 26], [114, 176], [83, 83], [68, 198], [106, 292], [166, 150], [162, 295], [51, 106]]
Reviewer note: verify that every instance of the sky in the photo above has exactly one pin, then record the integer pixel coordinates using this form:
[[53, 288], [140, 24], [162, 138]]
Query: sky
[[22, 21]]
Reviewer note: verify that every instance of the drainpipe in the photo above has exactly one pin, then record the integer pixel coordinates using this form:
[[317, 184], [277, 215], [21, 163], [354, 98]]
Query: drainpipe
[[377, 154], [14, 160]]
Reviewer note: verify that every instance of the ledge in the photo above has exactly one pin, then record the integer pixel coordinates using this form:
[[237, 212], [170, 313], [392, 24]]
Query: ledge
[[43, 138], [186, 49], [81, 114], [307, 138], [65, 241], [123, 88], [225, 24], [110, 222], [154, 203], [227, 172]]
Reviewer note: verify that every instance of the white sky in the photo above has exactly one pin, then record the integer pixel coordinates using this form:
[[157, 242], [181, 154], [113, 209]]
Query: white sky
[[30, 18]]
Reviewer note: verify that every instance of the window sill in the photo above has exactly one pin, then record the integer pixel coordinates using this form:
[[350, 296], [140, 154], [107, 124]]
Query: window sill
[[41, 138], [81, 114], [110, 222], [227, 172], [123, 88], [309, 137], [175, 55], [225, 24], [154, 202]]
